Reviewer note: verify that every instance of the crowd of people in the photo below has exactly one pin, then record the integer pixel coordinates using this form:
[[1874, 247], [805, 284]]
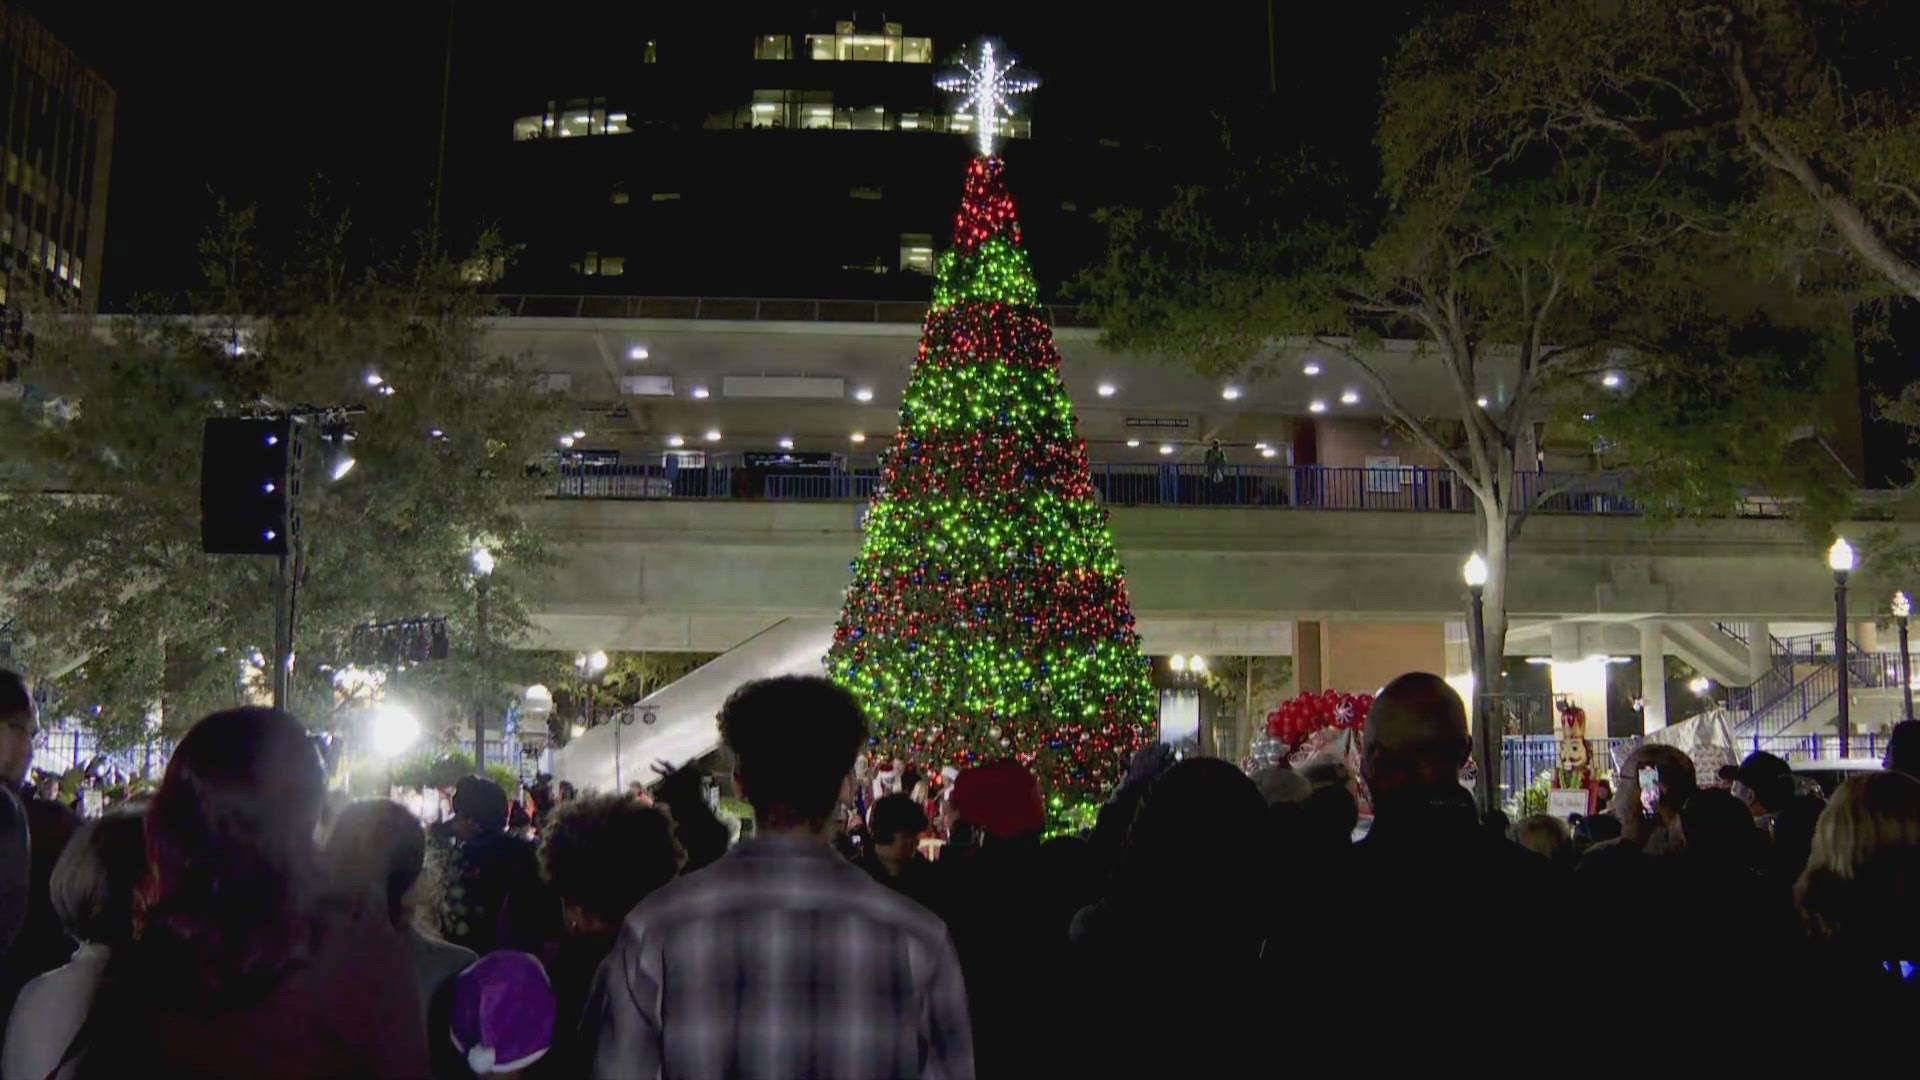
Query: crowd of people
[[241, 924]]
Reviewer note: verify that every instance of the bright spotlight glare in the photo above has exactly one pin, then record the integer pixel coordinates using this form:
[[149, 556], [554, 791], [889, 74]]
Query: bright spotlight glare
[[394, 729], [342, 467]]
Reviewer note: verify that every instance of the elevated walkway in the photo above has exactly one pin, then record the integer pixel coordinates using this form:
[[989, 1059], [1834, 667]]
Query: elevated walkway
[[676, 723]]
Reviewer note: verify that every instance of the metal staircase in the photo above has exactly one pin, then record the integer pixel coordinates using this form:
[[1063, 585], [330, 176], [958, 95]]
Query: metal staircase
[[1804, 677]]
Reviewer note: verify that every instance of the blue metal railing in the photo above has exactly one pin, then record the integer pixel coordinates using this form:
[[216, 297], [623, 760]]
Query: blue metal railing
[[1128, 484], [625, 481], [1525, 757], [829, 486], [1866, 670], [1815, 746]]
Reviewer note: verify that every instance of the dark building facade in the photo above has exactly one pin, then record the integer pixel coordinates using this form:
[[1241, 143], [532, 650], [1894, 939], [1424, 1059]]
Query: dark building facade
[[58, 146], [816, 160]]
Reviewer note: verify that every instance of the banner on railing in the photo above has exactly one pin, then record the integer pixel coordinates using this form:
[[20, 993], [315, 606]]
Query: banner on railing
[[1706, 739]]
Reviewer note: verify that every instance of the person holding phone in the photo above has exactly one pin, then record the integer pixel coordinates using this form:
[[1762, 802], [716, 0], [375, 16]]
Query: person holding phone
[[1654, 787]]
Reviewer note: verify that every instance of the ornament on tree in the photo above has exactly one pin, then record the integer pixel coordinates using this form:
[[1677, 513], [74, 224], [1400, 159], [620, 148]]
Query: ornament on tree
[[987, 595]]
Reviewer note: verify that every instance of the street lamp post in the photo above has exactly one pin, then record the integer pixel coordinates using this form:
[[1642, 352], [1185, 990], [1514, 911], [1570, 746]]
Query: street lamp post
[[1475, 574], [1840, 560], [591, 666], [1903, 607], [482, 587]]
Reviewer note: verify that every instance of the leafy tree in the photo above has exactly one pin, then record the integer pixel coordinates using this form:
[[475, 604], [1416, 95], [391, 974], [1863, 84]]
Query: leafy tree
[[1806, 113], [629, 678], [1523, 264], [99, 538]]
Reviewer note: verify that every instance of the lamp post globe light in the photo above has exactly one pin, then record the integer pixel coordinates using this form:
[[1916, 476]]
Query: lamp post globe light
[[1902, 608], [1474, 573], [1840, 561]]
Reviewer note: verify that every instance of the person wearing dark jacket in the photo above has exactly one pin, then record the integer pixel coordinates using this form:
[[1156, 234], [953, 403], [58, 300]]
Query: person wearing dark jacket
[[891, 854], [1439, 902], [1007, 909], [1197, 859], [702, 836], [42, 943], [601, 855], [493, 898]]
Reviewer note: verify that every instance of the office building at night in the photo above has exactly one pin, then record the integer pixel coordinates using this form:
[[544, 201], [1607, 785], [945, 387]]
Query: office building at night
[[58, 136]]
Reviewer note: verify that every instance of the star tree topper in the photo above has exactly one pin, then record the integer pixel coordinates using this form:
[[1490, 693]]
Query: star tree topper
[[987, 86]]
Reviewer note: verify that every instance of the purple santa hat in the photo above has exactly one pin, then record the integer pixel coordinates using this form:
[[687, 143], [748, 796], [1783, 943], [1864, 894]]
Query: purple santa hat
[[503, 1012]]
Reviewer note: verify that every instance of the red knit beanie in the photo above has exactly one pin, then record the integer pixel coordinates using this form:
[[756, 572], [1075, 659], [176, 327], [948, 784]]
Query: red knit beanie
[[1001, 800]]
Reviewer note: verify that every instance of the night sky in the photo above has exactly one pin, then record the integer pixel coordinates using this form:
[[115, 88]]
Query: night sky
[[251, 104]]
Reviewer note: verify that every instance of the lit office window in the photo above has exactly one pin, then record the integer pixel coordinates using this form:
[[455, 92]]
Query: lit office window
[[780, 109], [887, 46], [594, 264], [579, 117], [916, 253], [962, 124], [865, 192], [862, 118], [772, 47]]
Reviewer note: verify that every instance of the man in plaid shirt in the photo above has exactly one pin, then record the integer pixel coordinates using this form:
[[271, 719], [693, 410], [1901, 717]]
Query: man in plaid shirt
[[782, 959]]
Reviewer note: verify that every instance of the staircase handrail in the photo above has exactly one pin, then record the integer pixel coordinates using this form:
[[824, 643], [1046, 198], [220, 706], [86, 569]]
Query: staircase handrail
[[1820, 685], [1797, 704]]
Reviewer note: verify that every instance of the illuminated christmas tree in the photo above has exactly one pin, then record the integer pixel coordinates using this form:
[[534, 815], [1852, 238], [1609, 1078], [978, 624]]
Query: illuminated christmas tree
[[988, 614]]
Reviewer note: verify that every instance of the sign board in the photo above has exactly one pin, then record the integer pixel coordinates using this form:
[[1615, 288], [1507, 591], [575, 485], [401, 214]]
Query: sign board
[[1384, 474], [1159, 422], [646, 385], [685, 459], [789, 461], [1562, 802]]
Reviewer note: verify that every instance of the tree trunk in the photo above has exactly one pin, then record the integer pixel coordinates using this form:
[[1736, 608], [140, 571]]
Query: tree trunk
[[1495, 515]]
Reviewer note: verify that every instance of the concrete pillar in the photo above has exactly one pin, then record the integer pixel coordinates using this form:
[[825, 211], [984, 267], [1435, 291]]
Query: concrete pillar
[[1307, 672], [1653, 671], [1579, 669], [1867, 632], [1759, 650]]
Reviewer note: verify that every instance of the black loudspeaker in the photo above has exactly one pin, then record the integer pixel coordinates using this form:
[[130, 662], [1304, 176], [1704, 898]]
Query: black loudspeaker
[[248, 474]]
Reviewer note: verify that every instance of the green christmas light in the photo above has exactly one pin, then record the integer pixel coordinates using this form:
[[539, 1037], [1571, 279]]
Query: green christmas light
[[988, 617]]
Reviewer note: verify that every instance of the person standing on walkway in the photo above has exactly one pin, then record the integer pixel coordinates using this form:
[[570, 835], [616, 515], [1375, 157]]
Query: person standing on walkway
[[782, 959]]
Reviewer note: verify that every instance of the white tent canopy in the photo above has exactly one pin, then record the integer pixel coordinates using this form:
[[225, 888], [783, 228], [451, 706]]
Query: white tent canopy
[[676, 723]]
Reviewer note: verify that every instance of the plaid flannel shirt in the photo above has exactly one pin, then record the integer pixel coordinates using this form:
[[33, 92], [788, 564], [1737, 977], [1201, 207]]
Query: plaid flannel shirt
[[781, 959]]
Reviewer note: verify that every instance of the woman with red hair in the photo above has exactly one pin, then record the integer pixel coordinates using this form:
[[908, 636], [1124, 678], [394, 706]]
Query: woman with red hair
[[246, 963]]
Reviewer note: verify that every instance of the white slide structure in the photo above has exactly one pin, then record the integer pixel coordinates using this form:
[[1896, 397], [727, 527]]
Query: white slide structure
[[676, 723]]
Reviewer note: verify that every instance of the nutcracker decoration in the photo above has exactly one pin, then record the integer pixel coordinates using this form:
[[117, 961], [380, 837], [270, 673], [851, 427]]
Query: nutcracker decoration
[[1573, 767]]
